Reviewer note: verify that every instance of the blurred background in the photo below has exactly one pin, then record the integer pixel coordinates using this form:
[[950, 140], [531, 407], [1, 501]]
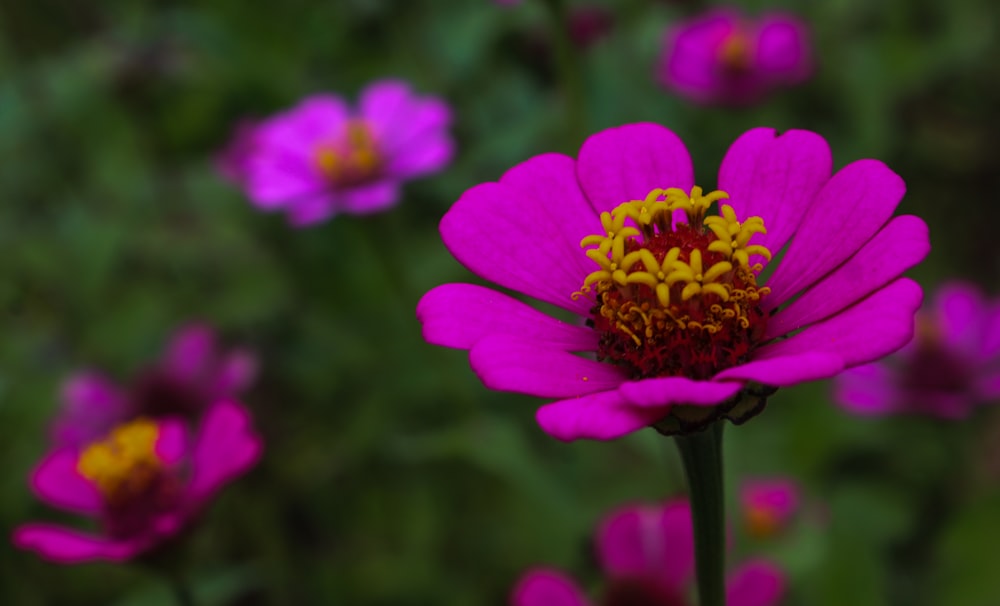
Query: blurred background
[[391, 475]]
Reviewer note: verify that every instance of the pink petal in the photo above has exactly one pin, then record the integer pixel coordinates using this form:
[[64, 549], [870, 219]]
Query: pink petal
[[846, 213], [959, 311], [226, 447], [236, 372], [777, 496], [626, 163], [991, 333], [513, 363], [783, 48], [547, 587], [57, 482], [280, 180], [599, 416], [755, 583], [690, 63], [172, 441], [872, 328], [458, 315], [869, 389], [316, 119], [369, 198], [897, 247], [649, 541], [66, 546], [524, 233], [663, 392], [191, 352], [91, 405], [785, 371], [312, 209], [775, 180], [424, 155]]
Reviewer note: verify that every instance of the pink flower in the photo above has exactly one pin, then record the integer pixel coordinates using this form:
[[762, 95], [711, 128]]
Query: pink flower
[[192, 374], [144, 482], [950, 367], [723, 57], [321, 157], [647, 554], [768, 505], [667, 298]]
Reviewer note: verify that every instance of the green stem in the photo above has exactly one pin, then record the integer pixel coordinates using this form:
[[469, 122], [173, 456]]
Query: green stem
[[182, 592], [570, 75], [701, 454]]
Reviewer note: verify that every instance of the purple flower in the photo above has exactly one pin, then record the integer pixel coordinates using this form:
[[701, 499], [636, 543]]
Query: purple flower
[[144, 483], [667, 297], [647, 555], [321, 157], [768, 505], [723, 57], [192, 374], [950, 367]]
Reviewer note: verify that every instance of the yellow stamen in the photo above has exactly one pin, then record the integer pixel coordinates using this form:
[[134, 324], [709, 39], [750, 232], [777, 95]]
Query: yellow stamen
[[125, 462]]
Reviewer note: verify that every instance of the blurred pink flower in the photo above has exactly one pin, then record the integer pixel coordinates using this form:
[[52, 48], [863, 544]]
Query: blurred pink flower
[[647, 555], [951, 366], [666, 297], [321, 157], [768, 505], [724, 57], [192, 373], [144, 482]]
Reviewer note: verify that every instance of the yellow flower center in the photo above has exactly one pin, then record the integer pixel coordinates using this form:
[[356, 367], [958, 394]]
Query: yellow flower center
[[125, 463], [675, 300], [734, 54], [762, 523], [351, 159]]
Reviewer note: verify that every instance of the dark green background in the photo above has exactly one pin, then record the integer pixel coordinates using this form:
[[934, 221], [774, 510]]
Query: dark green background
[[391, 476]]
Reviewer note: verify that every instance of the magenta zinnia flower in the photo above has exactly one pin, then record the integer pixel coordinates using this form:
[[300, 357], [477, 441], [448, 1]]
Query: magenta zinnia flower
[[768, 505], [144, 482], [321, 157], [647, 555], [951, 367], [724, 57], [675, 324], [193, 373]]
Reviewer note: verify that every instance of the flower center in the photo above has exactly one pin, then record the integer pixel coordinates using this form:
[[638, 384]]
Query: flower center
[[734, 54], [762, 522], [352, 159], [675, 300], [124, 465]]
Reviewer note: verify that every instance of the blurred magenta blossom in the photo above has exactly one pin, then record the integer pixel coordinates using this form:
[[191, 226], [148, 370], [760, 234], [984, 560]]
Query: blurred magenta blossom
[[671, 318], [322, 157], [951, 366], [768, 505], [143, 483], [192, 373], [647, 555], [724, 57]]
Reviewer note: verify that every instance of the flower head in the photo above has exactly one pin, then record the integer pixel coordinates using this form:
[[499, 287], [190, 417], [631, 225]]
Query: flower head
[[143, 482], [724, 57], [192, 373], [647, 555], [677, 325], [321, 157], [768, 505], [951, 366]]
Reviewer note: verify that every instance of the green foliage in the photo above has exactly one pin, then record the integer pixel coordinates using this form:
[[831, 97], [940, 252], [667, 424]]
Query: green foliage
[[391, 475]]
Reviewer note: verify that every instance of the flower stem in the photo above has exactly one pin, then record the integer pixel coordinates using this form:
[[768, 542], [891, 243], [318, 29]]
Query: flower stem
[[182, 592], [701, 454]]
